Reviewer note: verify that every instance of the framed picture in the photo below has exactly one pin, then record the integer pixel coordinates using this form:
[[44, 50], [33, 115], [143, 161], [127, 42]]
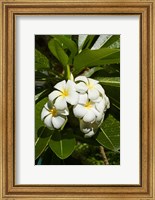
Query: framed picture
[[77, 100]]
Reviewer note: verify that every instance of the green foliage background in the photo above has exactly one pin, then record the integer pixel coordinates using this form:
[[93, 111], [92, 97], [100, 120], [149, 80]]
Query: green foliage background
[[95, 56]]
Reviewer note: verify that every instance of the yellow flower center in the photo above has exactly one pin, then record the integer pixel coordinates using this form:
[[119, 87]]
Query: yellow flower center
[[88, 105], [65, 93], [53, 111], [90, 85]]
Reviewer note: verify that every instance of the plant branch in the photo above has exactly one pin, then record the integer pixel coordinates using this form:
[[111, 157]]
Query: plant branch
[[104, 155]]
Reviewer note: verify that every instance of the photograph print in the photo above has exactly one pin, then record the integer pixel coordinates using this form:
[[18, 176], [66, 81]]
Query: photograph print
[[77, 99]]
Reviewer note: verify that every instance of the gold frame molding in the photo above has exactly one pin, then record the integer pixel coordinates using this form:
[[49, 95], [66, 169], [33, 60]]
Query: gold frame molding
[[145, 9]]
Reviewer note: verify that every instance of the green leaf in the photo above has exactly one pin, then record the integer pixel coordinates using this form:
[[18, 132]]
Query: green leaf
[[111, 81], [58, 52], [68, 42], [108, 71], [44, 135], [63, 143], [41, 95], [89, 41], [41, 61], [38, 109], [111, 40], [109, 134], [88, 58], [113, 93], [112, 59]]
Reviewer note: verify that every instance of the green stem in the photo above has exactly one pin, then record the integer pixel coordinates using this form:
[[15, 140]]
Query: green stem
[[68, 72]]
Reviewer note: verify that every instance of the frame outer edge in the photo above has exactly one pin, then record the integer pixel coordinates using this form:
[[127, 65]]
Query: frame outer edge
[[153, 98], [151, 102], [1, 107]]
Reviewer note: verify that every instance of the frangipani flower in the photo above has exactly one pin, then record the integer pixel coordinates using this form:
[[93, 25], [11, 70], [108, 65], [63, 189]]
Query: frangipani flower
[[53, 118], [90, 111], [89, 104], [89, 85], [65, 93], [85, 109]]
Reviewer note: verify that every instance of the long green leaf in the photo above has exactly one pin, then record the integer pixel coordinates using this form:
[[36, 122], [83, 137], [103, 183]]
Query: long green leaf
[[58, 52], [111, 40], [111, 81], [112, 59], [109, 134], [63, 143], [88, 58], [89, 41], [44, 135], [41, 95]]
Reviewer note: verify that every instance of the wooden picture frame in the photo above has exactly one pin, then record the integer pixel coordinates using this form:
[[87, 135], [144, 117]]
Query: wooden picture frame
[[9, 10]]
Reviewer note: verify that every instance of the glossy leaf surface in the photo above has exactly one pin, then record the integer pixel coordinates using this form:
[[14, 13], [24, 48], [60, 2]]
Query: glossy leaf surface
[[62, 143]]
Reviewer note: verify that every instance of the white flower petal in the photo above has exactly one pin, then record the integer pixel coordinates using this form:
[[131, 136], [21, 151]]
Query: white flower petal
[[53, 95], [100, 106], [60, 103], [83, 98], [107, 102], [92, 81], [70, 86], [79, 111], [97, 100], [48, 122], [72, 98], [81, 87], [44, 113], [93, 94], [90, 133], [95, 111], [64, 112], [58, 121], [89, 116], [72, 77], [61, 85], [100, 89], [81, 78]]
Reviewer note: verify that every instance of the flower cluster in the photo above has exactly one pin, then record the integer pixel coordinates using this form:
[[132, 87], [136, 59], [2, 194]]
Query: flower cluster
[[89, 103]]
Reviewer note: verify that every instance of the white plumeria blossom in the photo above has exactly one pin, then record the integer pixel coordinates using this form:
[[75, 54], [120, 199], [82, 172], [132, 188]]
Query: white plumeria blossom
[[89, 103], [53, 118], [89, 85], [87, 110], [65, 93], [91, 106]]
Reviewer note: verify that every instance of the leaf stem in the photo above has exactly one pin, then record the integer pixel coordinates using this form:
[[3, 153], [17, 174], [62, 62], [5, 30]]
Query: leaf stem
[[106, 162], [68, 72]]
